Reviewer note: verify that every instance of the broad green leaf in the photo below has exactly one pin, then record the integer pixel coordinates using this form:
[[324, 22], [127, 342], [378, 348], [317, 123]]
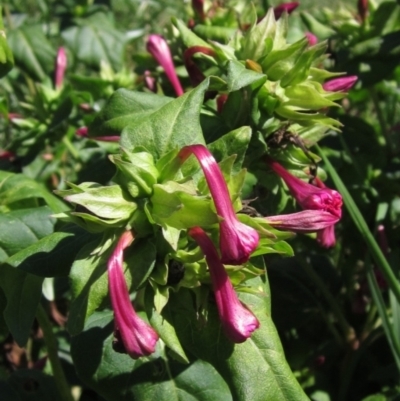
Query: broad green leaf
[[32, 385], [161, 323], [21, 228], [174, 125], [117, 377], [233, 143], [53, 255], [255, 370], [179, 206], [95, 40], [125, 107], [32, 51], [23, 292], [109, 202], [15, 188]]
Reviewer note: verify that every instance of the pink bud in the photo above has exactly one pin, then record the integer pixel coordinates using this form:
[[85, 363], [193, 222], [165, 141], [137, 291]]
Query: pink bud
[[158, 48], [237, 321], [237, 241], [198, 7], [7, 155], [312, 39], [288, 7], [326, 237], [362, 6], [138, 338], [195, 74], [343, 84], [307, 221], [150, 81], [61, 66], [83, 132]]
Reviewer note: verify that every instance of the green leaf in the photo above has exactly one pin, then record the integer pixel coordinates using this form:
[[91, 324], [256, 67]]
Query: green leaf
[[255, 370], [161, 323], [172, 126], [117, 377], [6, 56], [125, 107], [189, 38], [23, 228], [233, 143], [33, 52], [23, 292], [238, 76], [51, 256], [179, 206], [95, 40], [254, 43], [15, 188], [109, 202]]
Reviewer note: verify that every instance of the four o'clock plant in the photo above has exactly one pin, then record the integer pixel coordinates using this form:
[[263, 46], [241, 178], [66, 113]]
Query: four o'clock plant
[[177, 200]]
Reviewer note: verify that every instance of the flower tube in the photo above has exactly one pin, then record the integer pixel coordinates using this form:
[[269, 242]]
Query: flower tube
[[342, 84], [138, 338], [61, 66], [306, 221], [158, 48], [237, 241], [237, 321]]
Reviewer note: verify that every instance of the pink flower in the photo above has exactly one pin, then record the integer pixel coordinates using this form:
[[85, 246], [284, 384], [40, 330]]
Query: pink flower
[[61, 66], [343, 84], [288, 7], [237, 321], [138, 338], [314, 198], [306, 221], [307, 195], [312, 39], [362, 6], [158, 48], [7, 155], [237, 241], [84, 133]]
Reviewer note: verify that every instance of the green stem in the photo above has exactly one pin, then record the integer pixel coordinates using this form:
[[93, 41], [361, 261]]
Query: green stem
[[362, 226], [52, 351], [70, 147], [381, 119], [345, 326]]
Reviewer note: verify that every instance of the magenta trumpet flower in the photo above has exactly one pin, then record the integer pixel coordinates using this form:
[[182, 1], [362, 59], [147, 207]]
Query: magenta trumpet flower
[[343, 84], [237, 241], [158, 48], [311, 197], [306, 221], [61, 66], [138, 338], [288, 7], [237, 321], [84, 133]]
